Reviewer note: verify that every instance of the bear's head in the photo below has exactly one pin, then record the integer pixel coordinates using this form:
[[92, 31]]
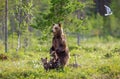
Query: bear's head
[[44, 60], [57, 29]]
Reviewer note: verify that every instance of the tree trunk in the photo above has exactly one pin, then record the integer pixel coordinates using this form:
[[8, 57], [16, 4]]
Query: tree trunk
[[6, 27], [3, 30], [19, 29], [19, 42], [12, 37], [19, 38], [78, 39]]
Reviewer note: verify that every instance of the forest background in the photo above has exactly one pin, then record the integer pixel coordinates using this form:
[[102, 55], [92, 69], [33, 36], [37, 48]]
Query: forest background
[[25, 37]]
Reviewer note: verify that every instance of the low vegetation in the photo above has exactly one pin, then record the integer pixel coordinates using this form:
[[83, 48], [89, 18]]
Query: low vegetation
[[97, 59]]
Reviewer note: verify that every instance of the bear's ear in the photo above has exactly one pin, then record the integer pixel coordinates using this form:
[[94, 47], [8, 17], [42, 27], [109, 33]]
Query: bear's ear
[[59, 24]]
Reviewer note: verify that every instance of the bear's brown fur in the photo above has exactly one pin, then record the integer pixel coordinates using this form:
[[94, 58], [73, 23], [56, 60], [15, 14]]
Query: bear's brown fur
[[45, 64], [52, 64], [59, 44], [54, 56]]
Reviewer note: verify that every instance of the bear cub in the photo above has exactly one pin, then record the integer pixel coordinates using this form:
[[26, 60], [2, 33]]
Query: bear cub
[[52, 64]]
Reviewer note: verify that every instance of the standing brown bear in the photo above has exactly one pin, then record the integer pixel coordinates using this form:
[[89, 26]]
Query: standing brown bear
[[59, 45]]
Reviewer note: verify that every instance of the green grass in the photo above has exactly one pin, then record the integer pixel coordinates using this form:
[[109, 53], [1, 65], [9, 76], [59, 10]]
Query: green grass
[[98, 59]]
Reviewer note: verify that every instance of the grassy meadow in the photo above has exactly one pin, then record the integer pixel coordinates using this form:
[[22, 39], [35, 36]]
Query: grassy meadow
[[98, 58]]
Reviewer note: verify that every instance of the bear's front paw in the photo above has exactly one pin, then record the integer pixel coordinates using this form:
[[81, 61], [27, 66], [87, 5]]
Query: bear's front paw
[[52, 53]]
